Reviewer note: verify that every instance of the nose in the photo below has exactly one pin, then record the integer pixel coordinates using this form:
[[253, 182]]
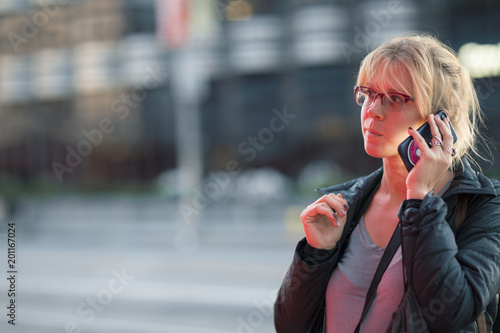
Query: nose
[[376, 109]]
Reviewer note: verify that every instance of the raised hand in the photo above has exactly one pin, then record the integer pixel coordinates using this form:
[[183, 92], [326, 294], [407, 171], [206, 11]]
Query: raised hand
[[324, 221]]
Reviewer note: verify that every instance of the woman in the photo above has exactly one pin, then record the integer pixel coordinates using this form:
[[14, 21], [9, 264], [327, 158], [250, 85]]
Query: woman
[[456, 273]]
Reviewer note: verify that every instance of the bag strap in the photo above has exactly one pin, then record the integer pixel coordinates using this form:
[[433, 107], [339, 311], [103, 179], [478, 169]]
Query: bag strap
[[386, 259], [459, 219], [461, 210], [481, 324]]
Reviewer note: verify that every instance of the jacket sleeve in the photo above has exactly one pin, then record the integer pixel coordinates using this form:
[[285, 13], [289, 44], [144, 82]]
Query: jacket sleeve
[[453, 283], [302, 293]]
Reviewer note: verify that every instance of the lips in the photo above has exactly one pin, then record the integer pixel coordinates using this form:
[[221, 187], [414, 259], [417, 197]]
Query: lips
[[372, 132]]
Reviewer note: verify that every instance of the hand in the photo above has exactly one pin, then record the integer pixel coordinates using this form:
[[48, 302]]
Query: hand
[[434, 161], [324, 221]]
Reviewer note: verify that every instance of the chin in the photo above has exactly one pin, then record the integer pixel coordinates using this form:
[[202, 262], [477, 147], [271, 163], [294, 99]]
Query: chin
[[377, 152], [373, 153], [373, 150]]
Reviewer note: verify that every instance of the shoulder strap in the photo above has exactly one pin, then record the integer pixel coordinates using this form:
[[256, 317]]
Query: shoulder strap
[[386, 259], [461, 210], [481, 324], [459, 219]]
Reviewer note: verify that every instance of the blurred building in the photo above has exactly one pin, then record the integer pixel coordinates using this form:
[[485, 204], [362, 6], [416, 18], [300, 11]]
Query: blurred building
[[88, 88], [82, 93]]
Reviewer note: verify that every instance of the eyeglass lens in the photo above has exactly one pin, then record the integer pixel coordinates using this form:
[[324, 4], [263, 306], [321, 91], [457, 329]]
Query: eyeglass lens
[[368, 96]]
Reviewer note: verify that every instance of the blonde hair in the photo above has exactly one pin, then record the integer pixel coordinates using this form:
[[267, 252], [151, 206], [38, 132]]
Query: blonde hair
[[437, 82]]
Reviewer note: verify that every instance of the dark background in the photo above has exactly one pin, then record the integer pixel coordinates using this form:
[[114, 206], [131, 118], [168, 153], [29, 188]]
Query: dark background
[[287, 54], [144, 137]]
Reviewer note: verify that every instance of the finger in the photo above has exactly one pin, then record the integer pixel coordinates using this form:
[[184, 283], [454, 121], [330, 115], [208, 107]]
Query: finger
[[445, 129], [421, 143], [435, 124], [346, 204], [446, 121], [321, 209], [339, 205], [432, 120]]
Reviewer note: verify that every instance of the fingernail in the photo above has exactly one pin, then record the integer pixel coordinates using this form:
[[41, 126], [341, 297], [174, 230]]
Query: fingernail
[[346, 206], [338, 223], [342, 212], [411, 128], [335, 216], [437, 117], [340, 195]]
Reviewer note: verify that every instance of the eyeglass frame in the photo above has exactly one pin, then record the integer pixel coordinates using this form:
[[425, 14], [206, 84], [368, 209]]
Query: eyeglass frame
[[377, 94]]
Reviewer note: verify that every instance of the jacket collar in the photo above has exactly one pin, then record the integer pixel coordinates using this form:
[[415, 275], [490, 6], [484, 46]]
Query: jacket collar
[[466, 180], [358, 192], [356, 188]]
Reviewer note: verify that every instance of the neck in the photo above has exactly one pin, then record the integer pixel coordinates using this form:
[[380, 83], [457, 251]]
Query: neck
[[393, 184]]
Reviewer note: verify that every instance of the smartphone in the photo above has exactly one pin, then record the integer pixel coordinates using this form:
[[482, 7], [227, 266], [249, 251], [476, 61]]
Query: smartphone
[[408, 149]]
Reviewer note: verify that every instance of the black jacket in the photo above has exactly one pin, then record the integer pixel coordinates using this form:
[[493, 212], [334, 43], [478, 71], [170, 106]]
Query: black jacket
[[456, 277]]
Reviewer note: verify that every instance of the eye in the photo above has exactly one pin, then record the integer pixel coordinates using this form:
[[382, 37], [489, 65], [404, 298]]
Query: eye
[[396, 99], [368, 92], [360, 97]]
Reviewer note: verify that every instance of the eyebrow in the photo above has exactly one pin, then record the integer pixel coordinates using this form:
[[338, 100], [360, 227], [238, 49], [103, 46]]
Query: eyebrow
[[385, 91]]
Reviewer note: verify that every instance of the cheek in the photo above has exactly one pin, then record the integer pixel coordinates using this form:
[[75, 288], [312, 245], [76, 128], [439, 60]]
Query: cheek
[[363, 114], [401, 136]]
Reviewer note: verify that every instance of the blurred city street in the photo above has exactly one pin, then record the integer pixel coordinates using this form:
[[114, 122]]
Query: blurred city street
[[122, 265], [110, 111]]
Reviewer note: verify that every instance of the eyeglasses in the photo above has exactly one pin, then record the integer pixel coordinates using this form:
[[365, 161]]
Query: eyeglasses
[[366, 97]]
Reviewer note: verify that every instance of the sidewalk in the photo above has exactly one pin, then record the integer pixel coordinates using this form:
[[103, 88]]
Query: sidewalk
[[219, 277]]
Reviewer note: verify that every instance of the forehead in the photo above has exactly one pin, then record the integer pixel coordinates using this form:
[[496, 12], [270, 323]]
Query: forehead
[[389, 76]]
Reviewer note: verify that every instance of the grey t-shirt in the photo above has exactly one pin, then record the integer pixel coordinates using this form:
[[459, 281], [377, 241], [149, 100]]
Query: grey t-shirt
[[349, 283]]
